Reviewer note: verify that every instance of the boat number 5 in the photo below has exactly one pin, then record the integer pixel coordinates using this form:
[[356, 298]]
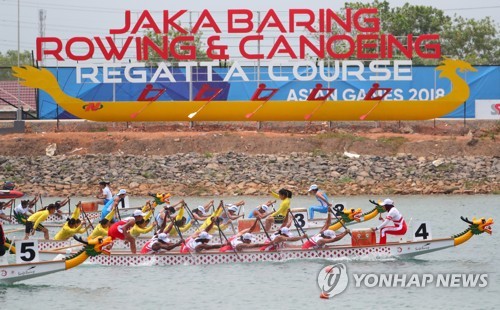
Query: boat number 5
[[28, 251], [422, 231]]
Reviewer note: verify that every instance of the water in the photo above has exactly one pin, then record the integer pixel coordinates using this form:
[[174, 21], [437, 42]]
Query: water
[[285, 285]]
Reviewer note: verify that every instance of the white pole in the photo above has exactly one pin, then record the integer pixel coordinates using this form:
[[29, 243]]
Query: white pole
[[18, 114]]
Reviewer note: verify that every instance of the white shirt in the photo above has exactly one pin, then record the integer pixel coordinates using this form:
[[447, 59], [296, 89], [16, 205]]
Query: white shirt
[[20, 210], [107, 192], [393, 215]]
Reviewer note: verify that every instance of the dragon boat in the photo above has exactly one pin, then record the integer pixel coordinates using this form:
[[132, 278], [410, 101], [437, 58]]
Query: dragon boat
[[204, 108], [10, 273], [407, 249]]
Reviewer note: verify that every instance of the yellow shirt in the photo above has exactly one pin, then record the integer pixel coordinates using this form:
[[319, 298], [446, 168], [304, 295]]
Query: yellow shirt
[[136, 231], [76, 214], [100, 231], [66, 232], [208, 221], [284, 206], [38, 217]]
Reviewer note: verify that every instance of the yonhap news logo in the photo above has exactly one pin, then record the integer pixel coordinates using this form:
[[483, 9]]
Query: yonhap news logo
[[334, 279]]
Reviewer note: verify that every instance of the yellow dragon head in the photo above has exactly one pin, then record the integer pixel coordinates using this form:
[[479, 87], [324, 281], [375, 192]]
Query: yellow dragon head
[[354, 214], [98, 245], [454, 64], [478, 226]]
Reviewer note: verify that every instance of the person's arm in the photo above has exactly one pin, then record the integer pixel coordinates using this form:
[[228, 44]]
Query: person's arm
[[111, 214], [243, 246], [180, 215], [186, 227], [181, 202], [76, 212], [65, 202], [144, 230], [202, 247], [337, 238], [280, 239], [128, 226], [322, 197], [327, 222], [32, 202], [169, 227], [208, 205], [5, 217]]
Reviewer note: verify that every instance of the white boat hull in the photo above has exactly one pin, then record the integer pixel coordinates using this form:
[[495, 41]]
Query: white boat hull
[[396, 249], [18, 272]]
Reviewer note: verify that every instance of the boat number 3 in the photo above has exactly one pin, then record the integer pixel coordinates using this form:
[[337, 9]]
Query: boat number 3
[[300, 219]]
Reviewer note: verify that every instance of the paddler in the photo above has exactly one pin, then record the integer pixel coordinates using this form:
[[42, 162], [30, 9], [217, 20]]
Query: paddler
[[242, 240], [23, 210], [201, 213], [324, 236], [278, 240], [158, 243], [262, 211], [324, 202], [35, 220], [72, 226], [396, 217], [121, 229], [141, 226], [4, 205], [279, 215], [181, 222], [101, 230], [198, 241], [113, 203], [105, 195]]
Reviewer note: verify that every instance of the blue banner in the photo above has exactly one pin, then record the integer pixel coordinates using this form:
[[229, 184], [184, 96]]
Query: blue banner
[[425, 84]]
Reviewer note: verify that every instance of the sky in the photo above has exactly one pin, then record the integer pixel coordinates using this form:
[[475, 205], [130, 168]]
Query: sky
[[66, 19]]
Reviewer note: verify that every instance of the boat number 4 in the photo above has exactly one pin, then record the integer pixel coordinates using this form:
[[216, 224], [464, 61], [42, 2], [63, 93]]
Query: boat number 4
[[421, 231], [27, 251]]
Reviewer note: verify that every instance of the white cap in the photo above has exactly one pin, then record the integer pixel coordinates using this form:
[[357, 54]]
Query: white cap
[[313, 187], [122, 192], [204, 235], [233, 208], [163, 237], [138, 213], [286, 231], [388, 202], [329, 233], [202, 210], [247, 236], [264, 207]]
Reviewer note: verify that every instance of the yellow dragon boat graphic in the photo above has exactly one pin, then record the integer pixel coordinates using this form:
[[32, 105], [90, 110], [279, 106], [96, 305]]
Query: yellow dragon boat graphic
[[261, 109]]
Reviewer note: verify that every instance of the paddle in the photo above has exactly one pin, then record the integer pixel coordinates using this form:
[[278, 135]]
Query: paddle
[[249, 115], [206, 103], [191, 214], [342, 223], [264, 229], [134, 115], [13, 230], [85, 214], [10, 215], [362, 117], [69, 205], [227, 215], [297, 226], [229, 243], [308, 116]]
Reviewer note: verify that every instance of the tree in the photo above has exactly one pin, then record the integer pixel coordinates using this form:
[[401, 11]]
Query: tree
[[9, 59], [476, 41], [157, 38]]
